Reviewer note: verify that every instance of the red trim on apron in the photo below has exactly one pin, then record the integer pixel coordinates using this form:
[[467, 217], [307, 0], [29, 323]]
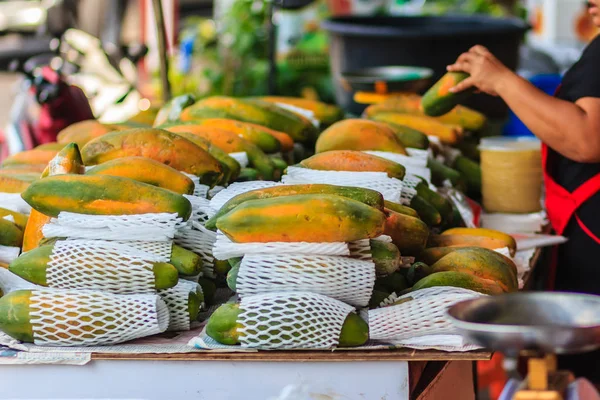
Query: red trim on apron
[[561, 205]]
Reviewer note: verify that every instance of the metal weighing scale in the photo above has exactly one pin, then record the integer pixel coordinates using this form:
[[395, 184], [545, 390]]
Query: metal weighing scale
[[538, 325]]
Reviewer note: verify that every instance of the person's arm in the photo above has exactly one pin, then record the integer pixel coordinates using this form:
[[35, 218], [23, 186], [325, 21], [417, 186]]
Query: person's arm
[[572, 129]]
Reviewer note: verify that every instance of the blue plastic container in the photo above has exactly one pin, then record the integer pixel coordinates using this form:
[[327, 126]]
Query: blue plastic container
[[547, 83]]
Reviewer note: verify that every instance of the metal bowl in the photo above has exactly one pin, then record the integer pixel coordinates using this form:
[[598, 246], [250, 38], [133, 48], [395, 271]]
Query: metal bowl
[[559, 323]]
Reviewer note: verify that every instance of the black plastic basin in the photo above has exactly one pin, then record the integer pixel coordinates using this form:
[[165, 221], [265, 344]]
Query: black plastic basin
[[427, 41]]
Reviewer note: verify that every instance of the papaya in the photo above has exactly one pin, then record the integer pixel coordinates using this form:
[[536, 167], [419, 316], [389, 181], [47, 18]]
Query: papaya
[[102, 195], [23, 168], [469, 147], [224, 327], [231, 143], [427, 212], [33, 265], [232, 275], [23, 176], [148, 171], [469, 119], [449, 134], [34, 157], [509, 241], [409, 137], [252, 132], [171, 111], [67, 161], [311, 218], [440, 203], [221, 267], [416, 272], [386, 257], [10, 234], [461, 280], [19, 219], [482, 263], [231, 168], [209, 289], [195, 302], [258, 112], [279, 164], [367, 196], [433, 254], [327, 114], [247, 175], [186, 262], [471, 171], [359, 134], [349, 160], [455, 240], [84, 131], [439, 100], [33, 235], [14, 315], [441, 173], [408, 234], [393, 283], [160, 145], [399, 208], [9, 184]]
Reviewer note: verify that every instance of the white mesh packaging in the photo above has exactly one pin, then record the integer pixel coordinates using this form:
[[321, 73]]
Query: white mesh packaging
[[90, 318], [234, 189], [154, 227], [413, 165], [309, 114], [158, 251], [424, 314], [14, 202], [342, 278], [8, 254], [419, 153], [101, 265], [200, 189], [390, 188], [291, 320], [200, 242], [408, 190], [241, 157], [176, 299], [224, 248], [200, 209], [214, 191], [360, 250]]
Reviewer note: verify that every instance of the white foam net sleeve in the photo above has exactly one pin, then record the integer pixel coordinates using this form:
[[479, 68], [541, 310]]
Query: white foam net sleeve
[[342, 278], [234, 189], [419, 153], [200, 210], [241, 157], [213, 192], [10, 282], [200, 242], [309, 114], [91, 318], [225, 249], [158, 251], [291, 320], [14, 202], [407, 161], [409, 190], [9, 253], [151, 227], [200, 189], [106, 266], [383, 238], [176, 299], [424, 314], [360, 249], [390, 188]]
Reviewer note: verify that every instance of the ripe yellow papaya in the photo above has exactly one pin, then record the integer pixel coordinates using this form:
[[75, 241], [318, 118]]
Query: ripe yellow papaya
[[302, 218], [34, 156], [160, 145], [408, 234], [359, 134], [102, 195], [461, 280], [482, 263], [327, 114], [349, 160], [10, 184], [146, 170], [510, 241], [447, 133], [467, 241], [23, 169], [82, 132]]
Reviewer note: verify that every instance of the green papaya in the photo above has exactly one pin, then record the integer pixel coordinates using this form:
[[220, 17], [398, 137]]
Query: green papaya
[[386, 257]]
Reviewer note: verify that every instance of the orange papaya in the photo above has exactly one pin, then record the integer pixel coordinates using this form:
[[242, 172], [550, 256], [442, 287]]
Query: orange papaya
[[50, 146], [102, 195], [482, 263], [461, 280], [348, 160], [160, 145], [367, 196], [23, 168], [253, 111], [439, 100], [359, 134], [510, 241], [23, 176], [467, 241], [84, 131], [327, 114], [409, 234], [10, 184], [430, 126], [231, 143], [34, 156], [311, 218], [146, 170]]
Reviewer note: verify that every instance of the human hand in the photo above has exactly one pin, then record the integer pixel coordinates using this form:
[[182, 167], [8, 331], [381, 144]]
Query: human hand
[[486, 71]]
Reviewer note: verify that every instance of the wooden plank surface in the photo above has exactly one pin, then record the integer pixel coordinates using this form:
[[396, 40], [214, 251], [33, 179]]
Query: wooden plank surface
[[306, 356]]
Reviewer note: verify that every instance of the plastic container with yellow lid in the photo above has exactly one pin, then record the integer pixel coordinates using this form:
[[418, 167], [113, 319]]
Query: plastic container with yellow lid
[[511, 174]]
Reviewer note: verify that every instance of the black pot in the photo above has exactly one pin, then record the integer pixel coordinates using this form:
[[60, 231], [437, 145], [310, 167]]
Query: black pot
[[431, 42]]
